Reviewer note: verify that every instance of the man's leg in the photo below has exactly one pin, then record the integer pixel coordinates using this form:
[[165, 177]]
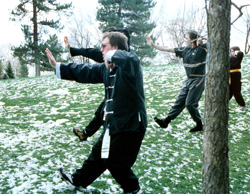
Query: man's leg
[[179, 104], [124, 149], [237, 88], [92, 168], [176, 109], [192, 101]]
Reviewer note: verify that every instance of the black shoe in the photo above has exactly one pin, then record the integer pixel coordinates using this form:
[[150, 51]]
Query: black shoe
[[162, 122], [67, 177], [81, 134], [137, 191], [195, 129], [198, 127]]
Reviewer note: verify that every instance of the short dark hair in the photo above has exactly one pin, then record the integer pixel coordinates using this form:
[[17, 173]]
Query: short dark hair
[[240, 54], [193, 35], [122, 30], [117, 39], [235, 48]]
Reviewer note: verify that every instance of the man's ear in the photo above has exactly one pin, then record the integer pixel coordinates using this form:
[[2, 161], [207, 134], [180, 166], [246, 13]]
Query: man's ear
[[115, 47]]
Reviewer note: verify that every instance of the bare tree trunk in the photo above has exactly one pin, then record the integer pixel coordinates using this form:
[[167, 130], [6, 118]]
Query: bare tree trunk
[[35, 38], [215, 168], [247, 44]]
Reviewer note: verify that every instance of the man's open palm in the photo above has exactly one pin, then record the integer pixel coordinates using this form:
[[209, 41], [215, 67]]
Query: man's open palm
[[51, 58]]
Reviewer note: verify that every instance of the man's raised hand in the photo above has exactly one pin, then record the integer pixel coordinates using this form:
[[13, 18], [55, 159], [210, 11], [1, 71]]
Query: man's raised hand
[[51, 58], [66, 41], [149, 41]]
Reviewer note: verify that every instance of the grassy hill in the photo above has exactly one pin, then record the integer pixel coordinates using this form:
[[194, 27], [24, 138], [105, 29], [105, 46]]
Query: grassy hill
[[37, 116]]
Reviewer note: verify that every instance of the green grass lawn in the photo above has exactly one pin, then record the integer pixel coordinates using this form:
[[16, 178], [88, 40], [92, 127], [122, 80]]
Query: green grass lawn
[[37, 116]]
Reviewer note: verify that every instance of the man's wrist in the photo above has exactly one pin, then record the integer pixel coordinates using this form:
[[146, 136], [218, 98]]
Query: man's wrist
[[109, 55], [58, 71]]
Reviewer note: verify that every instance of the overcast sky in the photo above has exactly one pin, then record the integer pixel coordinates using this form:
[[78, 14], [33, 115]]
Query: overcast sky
[[11, 32]]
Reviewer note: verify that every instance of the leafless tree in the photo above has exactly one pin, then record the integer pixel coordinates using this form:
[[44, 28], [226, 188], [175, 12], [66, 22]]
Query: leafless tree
[[247, 21], [172, 30], [247, 41], [7, 56], [239, 9], [84, 33]]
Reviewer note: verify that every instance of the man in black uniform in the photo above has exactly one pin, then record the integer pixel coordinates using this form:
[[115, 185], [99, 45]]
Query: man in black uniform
[[235, 77], [96, 55], [125, 118], [194, 57]]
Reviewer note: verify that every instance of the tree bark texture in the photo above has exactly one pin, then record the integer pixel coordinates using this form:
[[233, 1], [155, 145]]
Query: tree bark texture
[[215, 167]]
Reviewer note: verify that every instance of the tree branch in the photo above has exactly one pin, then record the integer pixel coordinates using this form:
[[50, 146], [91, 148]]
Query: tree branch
[[239, 9]]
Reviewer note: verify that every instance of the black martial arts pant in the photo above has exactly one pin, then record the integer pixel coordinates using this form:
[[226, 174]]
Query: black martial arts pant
[[124, 148], [189, 97], [235, 88]]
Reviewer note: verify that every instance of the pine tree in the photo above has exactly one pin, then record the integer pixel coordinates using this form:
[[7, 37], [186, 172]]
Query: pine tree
[[24, 71], [5, 76], [55, 47], [9, 71], [37, 17], [133, 15]]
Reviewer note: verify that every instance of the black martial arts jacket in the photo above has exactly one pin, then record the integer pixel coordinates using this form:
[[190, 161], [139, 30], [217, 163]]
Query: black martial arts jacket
[[125, 108]]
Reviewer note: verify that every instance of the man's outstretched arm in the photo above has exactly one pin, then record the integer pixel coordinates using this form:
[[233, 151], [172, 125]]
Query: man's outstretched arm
[[91, 53], [158, 47]]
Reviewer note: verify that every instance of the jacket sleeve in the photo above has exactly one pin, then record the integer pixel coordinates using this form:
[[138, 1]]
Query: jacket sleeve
[[97, 121], [179, 51], [83, 73], [204, 45], [92, 53], [240, 56]]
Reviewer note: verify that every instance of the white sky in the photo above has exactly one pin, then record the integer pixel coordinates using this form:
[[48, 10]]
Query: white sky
[[11, 33]]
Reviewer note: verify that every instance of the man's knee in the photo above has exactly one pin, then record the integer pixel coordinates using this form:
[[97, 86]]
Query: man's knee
[[191, 107]]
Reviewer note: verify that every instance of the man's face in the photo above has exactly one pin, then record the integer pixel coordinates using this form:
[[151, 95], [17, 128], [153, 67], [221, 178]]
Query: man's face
[[232, 53], [106, 46], [187, 40]]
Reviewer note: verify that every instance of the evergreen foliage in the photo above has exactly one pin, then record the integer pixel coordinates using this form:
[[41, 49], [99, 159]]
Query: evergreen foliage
[[37, 18], [24, 71], [133, 15], [1, 69], [9, 71], [5, 76]]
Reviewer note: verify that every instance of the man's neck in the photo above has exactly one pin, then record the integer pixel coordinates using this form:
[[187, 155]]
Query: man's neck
[[193, 45]]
